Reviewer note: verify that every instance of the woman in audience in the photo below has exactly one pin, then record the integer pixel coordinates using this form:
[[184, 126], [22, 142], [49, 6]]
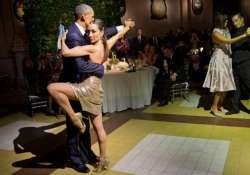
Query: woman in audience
[[152, 55]]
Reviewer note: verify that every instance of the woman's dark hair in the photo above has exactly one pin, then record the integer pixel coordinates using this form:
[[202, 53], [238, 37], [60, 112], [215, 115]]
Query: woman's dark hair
[[100, 25], [219, 21]]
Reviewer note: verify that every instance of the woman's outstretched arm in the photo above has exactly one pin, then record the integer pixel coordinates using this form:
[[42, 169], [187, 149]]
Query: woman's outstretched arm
[[113, 39], [219, 38]]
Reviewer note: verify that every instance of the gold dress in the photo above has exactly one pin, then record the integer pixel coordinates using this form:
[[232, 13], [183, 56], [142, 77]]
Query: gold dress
[[219, 76], [90, 94]]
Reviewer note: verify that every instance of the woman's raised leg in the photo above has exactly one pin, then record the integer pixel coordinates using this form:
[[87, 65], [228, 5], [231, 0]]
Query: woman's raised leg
[[62, 93]]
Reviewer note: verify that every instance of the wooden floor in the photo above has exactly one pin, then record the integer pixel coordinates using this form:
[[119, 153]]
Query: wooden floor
[[46, 154]]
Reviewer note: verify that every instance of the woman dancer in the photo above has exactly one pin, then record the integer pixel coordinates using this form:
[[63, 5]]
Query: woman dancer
[[89, 91]]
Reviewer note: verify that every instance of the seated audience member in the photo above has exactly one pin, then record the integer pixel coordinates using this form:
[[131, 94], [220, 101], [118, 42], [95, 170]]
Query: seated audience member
[[152, 55], [141, 58], [180, 52], [169, 73], [194, 40], [149, 56]]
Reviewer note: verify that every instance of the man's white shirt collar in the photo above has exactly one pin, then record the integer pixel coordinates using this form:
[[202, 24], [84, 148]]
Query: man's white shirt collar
[[82, 30]]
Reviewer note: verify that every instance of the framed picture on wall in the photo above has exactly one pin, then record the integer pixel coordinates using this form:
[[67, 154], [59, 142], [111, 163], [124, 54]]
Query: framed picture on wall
[[158, 9], [18, 7], [197, 6]]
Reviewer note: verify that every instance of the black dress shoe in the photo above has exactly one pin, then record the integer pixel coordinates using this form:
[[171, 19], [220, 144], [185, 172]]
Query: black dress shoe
[[53, 113], [94, 162], [163, 103], [81, 168], [232, 112]]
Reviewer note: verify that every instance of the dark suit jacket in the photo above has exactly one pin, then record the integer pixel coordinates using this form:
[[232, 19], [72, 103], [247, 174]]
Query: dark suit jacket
[[173, 67], [241, 49], [138, 45]]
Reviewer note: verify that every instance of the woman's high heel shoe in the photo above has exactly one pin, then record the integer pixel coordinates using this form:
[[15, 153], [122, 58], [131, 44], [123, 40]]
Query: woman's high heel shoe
[[103, 164], [79, 116], [216, 114]]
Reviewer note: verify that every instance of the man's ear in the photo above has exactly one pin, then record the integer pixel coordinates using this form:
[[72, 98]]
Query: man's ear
[[102, 32], [82, 19]]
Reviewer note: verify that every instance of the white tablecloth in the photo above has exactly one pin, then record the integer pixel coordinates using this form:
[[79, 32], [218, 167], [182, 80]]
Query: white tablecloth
[[128, 90]]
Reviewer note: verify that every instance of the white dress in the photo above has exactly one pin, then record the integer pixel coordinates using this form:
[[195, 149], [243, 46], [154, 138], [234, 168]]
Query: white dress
[[219, 76]]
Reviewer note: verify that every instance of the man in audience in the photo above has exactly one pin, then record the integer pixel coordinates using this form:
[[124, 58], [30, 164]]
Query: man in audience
[[169, 73], [138, 42]]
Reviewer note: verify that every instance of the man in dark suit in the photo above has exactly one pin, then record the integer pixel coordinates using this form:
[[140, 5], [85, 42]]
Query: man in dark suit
[[74, 70], [241, 63], [169, 73], [138, 42]]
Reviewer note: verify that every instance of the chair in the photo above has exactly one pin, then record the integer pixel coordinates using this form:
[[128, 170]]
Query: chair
[[37, 103], [179, 89]]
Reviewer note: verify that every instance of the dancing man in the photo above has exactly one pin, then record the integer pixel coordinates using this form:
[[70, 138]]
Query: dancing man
[[241, 63]]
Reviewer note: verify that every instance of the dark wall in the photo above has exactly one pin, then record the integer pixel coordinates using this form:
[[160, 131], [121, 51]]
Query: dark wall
[[13, 43], [226, 6], [244, 9], [6, 27], [231, 7], [179, 14]]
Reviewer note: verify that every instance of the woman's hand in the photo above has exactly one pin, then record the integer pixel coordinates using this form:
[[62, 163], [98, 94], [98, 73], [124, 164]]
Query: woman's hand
[[129, 23], [248, 31], [63, 37]]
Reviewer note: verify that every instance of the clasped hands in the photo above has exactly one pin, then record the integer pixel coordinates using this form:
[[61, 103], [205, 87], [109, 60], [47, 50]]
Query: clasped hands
[[248, 31], [63, 36], [129, 23]]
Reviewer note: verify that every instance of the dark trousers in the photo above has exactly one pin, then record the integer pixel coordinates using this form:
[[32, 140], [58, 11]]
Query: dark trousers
[[162, 88], [79, 145], [241, 77]]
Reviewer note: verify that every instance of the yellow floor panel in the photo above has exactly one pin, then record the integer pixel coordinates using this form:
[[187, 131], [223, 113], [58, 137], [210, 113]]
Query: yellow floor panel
[[176, 109]]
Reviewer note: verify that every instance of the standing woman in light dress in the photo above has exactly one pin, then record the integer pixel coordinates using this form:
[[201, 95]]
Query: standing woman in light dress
[[219, 78]]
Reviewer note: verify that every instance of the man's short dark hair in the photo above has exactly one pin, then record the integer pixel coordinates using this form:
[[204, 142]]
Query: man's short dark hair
[[82, 9], [238, 15]]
